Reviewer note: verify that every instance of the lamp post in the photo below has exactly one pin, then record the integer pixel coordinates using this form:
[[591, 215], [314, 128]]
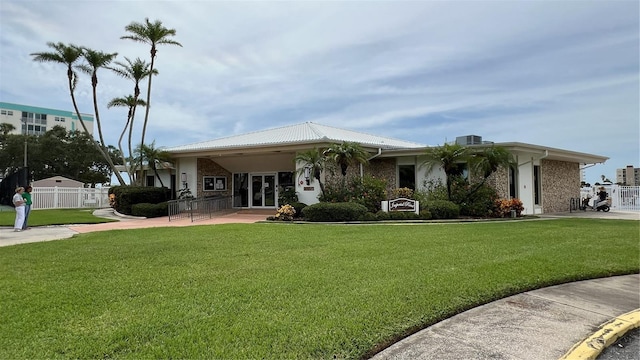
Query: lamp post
[[25, 132]]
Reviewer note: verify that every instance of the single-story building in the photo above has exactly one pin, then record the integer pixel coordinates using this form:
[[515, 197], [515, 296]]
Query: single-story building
[[59, 181], [253, 168]]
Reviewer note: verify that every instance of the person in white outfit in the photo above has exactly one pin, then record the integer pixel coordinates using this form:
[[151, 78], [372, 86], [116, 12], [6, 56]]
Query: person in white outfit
[[18, 202]]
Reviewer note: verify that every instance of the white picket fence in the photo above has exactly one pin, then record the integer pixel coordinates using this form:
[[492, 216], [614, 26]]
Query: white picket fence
[[69, 198], [623, 198]]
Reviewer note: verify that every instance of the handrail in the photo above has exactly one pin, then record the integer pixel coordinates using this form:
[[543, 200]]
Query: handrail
[[198, 209]]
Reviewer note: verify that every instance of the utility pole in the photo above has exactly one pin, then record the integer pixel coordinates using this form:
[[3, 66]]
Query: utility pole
[[25, 142]]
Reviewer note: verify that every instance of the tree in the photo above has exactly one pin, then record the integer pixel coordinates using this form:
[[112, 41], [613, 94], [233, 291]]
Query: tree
[[313, 160], [131, 103], [68, 55], [347, 154], [152, 34], [491, 159], [136, 71], [452, 158], [155, 158], [6, 128], [605, 179], [57, 152]]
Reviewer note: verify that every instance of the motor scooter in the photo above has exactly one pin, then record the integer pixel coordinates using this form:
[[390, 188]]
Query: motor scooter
[[601, 205]]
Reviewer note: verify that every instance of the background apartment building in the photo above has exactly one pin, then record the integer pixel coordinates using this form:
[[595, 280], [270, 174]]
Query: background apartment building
[[628, 176], [37, 120]]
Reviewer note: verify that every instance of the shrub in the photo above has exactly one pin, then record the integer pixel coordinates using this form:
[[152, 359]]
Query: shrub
[[403, 193], [288, 195], [127, 196], [443, 209], [298, 206], [150, 210], [286, 213], [425, 214], [479, 203], [381, 215], [374, 191], [369, 217], [331, 212], [504, 206], [403, 215], [367, 191]]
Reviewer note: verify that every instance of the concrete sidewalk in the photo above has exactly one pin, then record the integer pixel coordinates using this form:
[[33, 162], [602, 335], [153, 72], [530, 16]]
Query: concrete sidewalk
[[58, 232], [539, 324]]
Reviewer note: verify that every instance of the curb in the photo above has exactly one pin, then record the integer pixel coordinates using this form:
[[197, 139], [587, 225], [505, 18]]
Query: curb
[[606, 335]]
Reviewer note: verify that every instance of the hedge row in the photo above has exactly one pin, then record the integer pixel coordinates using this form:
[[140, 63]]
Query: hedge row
[[127, 196]]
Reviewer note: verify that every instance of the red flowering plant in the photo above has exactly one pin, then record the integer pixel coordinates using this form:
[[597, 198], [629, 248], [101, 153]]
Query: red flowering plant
[[504, 207]]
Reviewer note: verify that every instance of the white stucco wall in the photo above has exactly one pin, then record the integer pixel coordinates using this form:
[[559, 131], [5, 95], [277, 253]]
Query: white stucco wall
[[307, 196], [424, 175], [188, 166], [525, 182]]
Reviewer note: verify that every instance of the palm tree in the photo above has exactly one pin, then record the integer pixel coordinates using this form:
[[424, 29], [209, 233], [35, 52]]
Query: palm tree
[[314, 161], [135, 70], [96, 60], [153, 34], [130, 102], [450, 157], [154, 157], [347, 154], [69, 55], [490, 159]]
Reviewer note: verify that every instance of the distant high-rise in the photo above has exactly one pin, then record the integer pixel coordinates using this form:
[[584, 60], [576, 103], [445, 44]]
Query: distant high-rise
[[36, 120], [629, 176]]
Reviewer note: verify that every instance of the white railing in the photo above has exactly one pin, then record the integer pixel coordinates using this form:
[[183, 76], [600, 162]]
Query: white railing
[[69, 198], [623, 198]]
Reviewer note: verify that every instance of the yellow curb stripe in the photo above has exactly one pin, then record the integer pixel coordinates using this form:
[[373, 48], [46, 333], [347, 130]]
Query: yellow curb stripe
[[606, 335]]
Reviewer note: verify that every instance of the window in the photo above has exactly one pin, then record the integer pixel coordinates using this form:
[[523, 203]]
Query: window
[[407, 176], [512, 183], [241, 190], [10, 113], [536, 184], [3, 112], [214, 183], [151, 180]]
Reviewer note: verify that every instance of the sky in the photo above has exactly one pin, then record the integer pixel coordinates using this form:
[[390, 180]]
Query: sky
[[563, 74]]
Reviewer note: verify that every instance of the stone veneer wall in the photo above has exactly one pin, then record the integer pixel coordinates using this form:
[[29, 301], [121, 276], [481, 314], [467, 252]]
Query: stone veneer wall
[[499, 180], [383, 169], [378, 168], [560, 182], [208, 167]]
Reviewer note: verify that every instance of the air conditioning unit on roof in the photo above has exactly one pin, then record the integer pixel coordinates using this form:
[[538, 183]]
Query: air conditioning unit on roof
[[469, 140]]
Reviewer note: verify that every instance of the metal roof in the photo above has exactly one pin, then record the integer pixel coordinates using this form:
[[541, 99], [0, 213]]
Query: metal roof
[[304, 133]]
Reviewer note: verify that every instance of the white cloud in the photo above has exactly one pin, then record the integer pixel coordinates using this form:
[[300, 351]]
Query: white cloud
[[548, 72]]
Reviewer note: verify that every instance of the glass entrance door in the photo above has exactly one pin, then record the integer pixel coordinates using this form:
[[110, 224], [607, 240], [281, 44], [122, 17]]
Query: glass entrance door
[[263, 189]]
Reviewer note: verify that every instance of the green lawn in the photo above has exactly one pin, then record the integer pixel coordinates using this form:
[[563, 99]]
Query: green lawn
[[282, 290], [54, 217]]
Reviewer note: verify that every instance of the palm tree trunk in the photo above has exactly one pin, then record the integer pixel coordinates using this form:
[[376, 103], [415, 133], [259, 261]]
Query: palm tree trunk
[[84, 126], [146, 113], [124, 160]]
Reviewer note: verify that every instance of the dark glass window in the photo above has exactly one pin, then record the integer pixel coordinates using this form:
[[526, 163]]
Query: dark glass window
[[512, 183], [407, 176], [536, 184]]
